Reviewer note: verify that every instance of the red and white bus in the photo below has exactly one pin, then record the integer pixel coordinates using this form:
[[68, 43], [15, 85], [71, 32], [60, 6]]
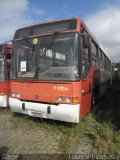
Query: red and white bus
[[118, 73], [5, 58], [58, 70]]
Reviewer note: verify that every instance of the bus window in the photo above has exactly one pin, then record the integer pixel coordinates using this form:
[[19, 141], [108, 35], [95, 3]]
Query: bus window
[[94, 55], [2, 69], [104, 61], [85, 62], [49, 61], [100, 59]]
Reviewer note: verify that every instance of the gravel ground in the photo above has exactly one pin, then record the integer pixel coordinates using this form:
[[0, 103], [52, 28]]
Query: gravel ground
[[18, 138]]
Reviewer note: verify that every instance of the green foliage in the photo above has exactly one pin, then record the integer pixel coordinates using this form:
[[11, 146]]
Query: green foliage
[[106, 132], [93, 134], [117, 138]]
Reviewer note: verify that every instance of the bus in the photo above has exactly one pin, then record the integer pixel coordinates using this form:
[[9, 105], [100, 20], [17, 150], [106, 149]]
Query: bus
[[118, 72], [58, 70], [5, 58]]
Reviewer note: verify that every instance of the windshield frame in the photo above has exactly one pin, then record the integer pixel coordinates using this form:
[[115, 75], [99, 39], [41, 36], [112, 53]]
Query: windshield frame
[[35, 78]]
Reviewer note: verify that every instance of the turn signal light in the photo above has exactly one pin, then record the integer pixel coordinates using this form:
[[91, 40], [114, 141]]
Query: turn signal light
[[75, 100]]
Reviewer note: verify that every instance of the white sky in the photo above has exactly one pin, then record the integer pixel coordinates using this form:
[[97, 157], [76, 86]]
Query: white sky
[[105, 24], [14, 14]]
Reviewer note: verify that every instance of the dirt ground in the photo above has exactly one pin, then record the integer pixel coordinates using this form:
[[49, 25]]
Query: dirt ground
[[26, 135], [19, 135]]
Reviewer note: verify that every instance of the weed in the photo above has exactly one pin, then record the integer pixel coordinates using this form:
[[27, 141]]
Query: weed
[[93, 134], [117, 138], [105, 140]]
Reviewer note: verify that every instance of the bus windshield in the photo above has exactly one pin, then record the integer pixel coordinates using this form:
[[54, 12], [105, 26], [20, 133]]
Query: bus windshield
[[53, 57], [2, 69]]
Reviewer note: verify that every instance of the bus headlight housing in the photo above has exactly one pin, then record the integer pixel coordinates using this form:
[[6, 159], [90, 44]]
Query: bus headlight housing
[[75, 100], [60, 99], [2, 93], [17, 95], [68, 100], [12, 94]]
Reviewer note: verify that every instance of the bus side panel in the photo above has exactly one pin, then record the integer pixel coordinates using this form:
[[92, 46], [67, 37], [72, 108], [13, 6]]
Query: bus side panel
[[86, 95], [42, 92], [89, 87], [4, 93], [77, 92], [86, 104]]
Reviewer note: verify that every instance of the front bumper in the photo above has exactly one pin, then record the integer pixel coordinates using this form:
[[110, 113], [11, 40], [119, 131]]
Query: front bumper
[[3, 101], [62, 112]]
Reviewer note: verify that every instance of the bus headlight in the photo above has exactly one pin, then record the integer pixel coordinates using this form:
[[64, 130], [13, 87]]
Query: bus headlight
[[2, 93], [60, 99], [68, 100], [12, 94], [17, 95]]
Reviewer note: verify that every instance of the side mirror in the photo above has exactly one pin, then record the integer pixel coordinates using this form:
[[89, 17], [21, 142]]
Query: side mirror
[[86, 41]]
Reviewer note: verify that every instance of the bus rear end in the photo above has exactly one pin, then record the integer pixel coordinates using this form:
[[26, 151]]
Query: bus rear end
[[5, 57]]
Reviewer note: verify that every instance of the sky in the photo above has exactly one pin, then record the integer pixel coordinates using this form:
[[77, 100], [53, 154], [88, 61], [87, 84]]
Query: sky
[[101, 16]]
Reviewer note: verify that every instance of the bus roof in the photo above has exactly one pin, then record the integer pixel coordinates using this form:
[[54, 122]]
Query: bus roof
[[47, 28], [48, 22], [62, 20]]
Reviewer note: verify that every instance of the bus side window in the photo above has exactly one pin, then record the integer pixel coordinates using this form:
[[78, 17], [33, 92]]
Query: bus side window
[[94, 55], [85, 62], [103, 61], [100, 58], [2, 69]]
